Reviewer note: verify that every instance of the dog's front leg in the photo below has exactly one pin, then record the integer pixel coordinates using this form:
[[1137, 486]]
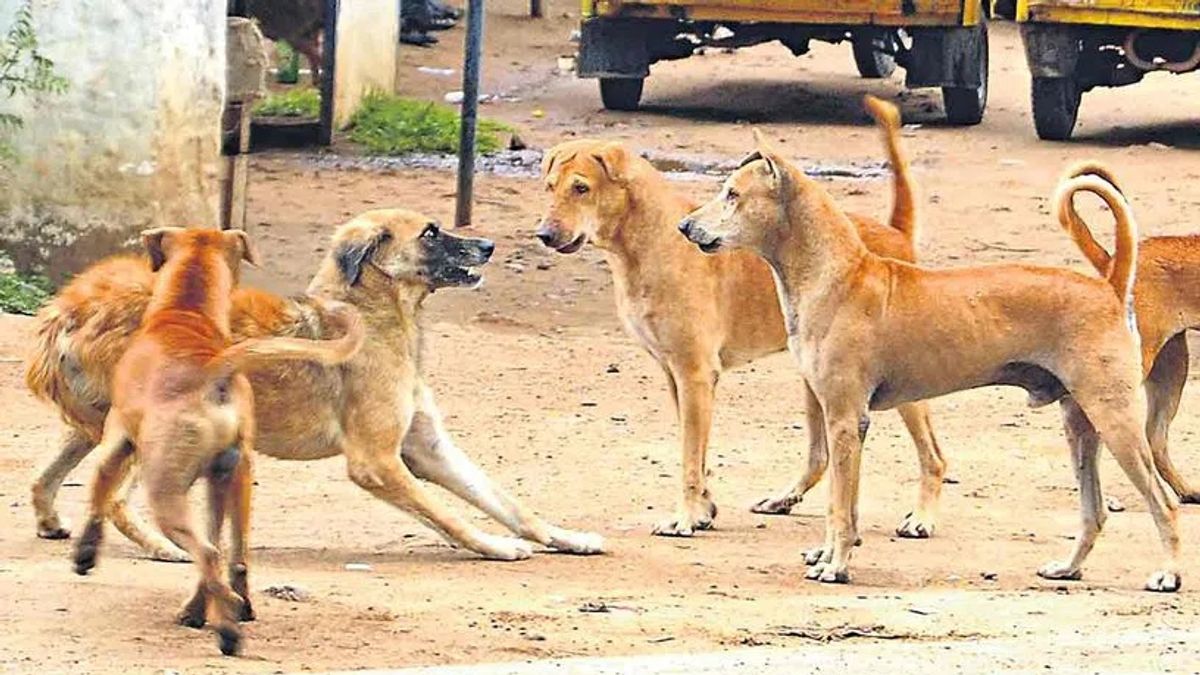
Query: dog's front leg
[[845, 428], [695, 389], [431, 455]]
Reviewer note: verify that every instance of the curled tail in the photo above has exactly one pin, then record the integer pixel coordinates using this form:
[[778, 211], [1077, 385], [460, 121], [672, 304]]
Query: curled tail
[[904, 209], [1073, 223], [1120, 268], [256, 351]]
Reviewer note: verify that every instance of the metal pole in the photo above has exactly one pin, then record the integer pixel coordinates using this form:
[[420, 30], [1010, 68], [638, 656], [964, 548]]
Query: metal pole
[[535, 8], [470, 112], [328, 66]]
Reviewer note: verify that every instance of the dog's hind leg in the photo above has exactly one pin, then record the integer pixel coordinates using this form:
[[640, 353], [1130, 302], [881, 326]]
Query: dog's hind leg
[[1164, 388], [695, 385], [75, 446], [239, 503], [1120, 421], [118, 457], [128, 523], [1085, 444], [919, 524], [384, 475], [431, 455], [818, 460]]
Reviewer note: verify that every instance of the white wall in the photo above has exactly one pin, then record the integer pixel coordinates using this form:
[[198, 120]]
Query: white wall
[[368, 38], [133, 143]]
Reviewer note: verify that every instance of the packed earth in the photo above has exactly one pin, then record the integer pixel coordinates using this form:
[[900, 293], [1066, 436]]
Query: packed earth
[[544, 389]]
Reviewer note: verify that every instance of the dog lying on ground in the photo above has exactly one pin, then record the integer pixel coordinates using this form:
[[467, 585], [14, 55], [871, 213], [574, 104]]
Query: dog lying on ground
[[1166, 306], [870, 333], [181, 406], [699, 315], [375, 410]]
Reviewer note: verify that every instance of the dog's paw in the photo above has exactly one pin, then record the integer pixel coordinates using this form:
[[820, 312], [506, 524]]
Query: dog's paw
[[916, 525], [191, 616], [689, 519], [52, 528], [818, 555], [579, 543], [1164, 582], [1192, 497], [506, 549], [776, 506], [828, 573], [1060, 571], [168, 552], [229, 640]]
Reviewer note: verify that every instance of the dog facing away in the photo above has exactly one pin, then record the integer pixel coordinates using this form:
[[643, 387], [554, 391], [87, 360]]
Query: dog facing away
[[376, 410], [700, 315], [1166, 304], [181, 406], [870, 333]]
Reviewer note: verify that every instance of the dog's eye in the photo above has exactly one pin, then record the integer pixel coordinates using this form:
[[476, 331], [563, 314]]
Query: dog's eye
[[580, 188], [431, 231], [731, 195]]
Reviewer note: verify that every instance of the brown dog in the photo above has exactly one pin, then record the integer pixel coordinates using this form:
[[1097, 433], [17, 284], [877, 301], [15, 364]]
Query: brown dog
[[375, 410], [1166, 304], [870, 333], [699, 315], [182, 406]]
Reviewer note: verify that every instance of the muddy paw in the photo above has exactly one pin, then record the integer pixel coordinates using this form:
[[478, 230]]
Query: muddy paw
[[1190, 498], [1060, 571], [819, 554], [915, 526], [53, 530], [229, 639], [246, 613], [775, 506], [191, 617], [828, 573], [507, 549], [1164, 582], [579, 543]]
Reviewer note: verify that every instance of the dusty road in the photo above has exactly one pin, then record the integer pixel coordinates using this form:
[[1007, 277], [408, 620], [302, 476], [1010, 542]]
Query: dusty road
[[522, 369]]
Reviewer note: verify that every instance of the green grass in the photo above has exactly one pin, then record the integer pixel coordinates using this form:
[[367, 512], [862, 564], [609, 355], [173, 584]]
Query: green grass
[[298, 102], [389, 125], [23, 293]]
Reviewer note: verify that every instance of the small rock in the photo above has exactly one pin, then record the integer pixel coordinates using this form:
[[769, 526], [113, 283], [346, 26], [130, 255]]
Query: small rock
[[594, 608], [1114, 505], [544, 266], [989, 576], [287, 593], [515, 142], [1155, 145], [612, 368], [358, 567], [516, 267]]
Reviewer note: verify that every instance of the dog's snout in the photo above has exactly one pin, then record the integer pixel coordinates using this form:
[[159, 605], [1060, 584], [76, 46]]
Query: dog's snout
[[545, 235], [487, 247], [685, 226]]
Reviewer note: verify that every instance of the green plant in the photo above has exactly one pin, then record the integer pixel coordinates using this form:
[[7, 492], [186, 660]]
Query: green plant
[[288, 71], [23, 293], [300, 102], [23, 69], [389, 125]]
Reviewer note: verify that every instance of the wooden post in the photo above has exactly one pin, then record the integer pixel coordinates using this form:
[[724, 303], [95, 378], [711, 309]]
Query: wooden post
[[535, 8], [470, 113]]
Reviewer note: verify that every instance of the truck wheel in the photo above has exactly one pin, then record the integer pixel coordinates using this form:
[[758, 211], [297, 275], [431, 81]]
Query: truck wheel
[[872, 64], [965, 105], [621, 93], [1055, 107]]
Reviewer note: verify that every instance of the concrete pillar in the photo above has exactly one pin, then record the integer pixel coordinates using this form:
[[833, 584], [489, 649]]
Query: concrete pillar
[[134, 142], [368, 39]]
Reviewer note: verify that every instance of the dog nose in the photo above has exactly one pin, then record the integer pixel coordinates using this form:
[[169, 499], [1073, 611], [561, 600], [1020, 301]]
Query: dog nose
[[685, 226], [487, 246], [545, 235]]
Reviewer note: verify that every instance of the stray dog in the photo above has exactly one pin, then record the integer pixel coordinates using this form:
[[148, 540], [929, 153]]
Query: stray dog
[[375, 410], [182, 406], [870, 333], [699, 315], [1166, 305]]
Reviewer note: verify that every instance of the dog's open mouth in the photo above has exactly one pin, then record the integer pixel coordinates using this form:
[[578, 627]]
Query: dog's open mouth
[[711, 246], [574, 245], [456, 276]]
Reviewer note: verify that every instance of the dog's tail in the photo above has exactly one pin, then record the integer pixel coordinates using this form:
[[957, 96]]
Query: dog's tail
[[1119, 268], [257, 351], [1074, 225], [904, 209]]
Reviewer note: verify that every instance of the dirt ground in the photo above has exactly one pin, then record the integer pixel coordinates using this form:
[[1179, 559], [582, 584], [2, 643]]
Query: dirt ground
[[523, 369]]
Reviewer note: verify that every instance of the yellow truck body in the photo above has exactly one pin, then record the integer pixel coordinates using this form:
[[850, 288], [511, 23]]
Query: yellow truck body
[[1168, 14], [842, 12]]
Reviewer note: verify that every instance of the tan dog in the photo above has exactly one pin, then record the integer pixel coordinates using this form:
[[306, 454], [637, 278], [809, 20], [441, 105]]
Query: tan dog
[[181, 405], [870, 333], [1166, 304], [699, 315], [376, 410]]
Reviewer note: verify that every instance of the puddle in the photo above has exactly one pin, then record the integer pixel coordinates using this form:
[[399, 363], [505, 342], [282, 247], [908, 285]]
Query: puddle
[[527, 164]]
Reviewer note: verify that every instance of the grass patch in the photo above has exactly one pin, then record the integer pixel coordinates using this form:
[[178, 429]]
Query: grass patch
[[23, 293], [389, 125], [298, 102]]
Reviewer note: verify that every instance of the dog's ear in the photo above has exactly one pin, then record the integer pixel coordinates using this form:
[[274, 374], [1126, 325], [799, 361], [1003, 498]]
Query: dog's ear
[[241, 243], [157, 243], [770, 158], [353, 253], [614, 159], [552, 157]]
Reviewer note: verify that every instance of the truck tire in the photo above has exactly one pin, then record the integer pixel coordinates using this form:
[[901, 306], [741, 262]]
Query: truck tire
[[621, 93], [1055, 107], [872, 64], [965, 105]]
